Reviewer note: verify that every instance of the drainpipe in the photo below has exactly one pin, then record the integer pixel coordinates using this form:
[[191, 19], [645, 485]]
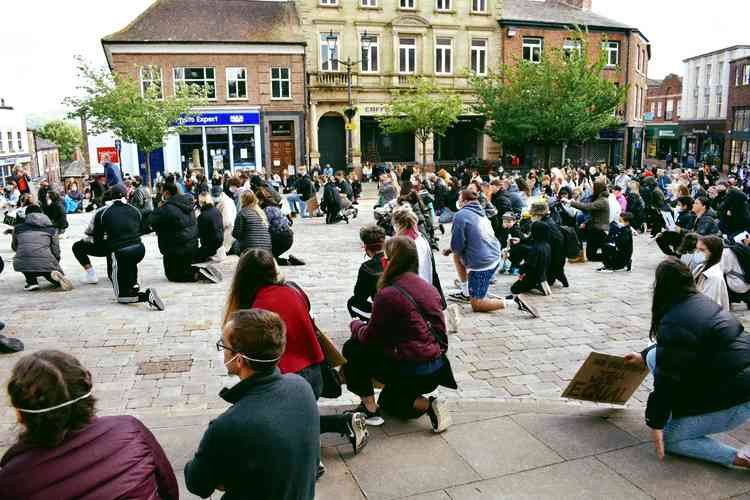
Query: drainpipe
[[627, 83]]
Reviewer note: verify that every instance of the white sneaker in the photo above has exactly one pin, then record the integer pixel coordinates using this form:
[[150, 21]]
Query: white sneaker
[[440, 418], [453, 318], [64, 282], [90, 277], [546, 289]]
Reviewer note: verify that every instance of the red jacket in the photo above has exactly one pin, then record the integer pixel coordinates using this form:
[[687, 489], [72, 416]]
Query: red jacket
[[112, 457], [397, 326], [302, 346]]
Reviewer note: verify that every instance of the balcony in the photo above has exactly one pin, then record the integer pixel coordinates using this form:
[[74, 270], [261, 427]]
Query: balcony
[[333, 79]]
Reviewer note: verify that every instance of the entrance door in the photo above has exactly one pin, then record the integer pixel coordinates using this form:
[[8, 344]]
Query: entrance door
[[332, 142], [282, 146]]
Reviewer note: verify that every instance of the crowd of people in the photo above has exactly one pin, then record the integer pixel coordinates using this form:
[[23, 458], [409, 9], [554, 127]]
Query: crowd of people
[[267, 443]]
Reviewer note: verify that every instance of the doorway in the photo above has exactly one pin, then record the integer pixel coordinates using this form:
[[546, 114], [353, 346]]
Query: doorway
[[332, 142], [282, 146]]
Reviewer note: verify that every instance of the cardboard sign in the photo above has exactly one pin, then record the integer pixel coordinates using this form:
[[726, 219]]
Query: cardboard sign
[[606, 379]]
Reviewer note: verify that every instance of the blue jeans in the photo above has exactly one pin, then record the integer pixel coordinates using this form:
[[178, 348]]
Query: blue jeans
[[297, 204], [688, 436]]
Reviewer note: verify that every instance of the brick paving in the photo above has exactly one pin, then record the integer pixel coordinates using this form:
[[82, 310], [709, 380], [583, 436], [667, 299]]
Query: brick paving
[[151, 363]]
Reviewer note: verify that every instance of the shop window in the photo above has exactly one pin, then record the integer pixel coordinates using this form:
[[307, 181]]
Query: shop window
[[202, 78], [236, 83], [243, 147], [151, 79], [532, 49], [280, 83], [191, 149], [217, 145]]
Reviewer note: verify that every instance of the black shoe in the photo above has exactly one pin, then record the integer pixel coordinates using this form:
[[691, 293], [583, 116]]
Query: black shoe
[[321, 471], [154, 300], [294, 261], [2, 325], [439, 416], [372, 418], [459, 297], [442, 229], [525, 307], [211, 273], [356, 426], [629, 266], [282, 261]]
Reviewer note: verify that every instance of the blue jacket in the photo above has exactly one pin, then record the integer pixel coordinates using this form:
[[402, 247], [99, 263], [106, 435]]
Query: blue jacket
[[473, 239], [113, 174]]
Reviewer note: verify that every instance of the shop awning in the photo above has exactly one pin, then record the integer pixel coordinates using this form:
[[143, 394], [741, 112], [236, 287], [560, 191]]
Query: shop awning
[[663, 131]]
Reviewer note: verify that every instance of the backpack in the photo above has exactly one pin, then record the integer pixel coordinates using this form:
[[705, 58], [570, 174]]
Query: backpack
[[743, 257], [572, 245]]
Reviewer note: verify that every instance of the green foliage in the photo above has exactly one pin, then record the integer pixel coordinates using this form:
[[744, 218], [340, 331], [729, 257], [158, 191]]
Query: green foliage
[[423, 111], [66, 135], [563, 99]]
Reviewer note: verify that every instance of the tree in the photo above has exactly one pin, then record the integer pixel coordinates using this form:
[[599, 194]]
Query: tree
[[116, 103], [563, 99], [67, 137], [424, 111]]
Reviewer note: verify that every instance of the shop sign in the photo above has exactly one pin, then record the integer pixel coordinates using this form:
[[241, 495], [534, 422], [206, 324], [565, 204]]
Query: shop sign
[[114, 157], [210, 119], [14, 160]]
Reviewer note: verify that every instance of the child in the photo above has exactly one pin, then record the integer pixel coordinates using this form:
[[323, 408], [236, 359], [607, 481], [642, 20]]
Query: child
[[509, 234], [618, 250]]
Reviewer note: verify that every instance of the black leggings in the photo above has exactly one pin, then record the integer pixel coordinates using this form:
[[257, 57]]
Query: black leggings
[[595, 239], [281, 242], [122, 268], [335, 424], [32, 278], [668, 242]]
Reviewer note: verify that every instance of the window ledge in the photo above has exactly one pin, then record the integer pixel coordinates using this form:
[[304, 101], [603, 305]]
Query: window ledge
[[451, 11], [323, 6], [369, 7], [281, 98], [479, 13], [407, 9], [237, 98]]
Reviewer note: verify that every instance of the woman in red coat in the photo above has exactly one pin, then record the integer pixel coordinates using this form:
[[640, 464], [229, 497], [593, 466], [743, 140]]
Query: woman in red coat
[[403, 345], [66, 451]]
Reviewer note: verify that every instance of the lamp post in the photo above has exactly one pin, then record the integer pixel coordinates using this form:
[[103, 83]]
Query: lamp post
[[332, 41]]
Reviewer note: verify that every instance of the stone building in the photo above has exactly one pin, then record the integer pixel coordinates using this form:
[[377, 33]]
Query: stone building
[[14, 142], [738, 113], [528, 27], [663, 106], [249, 56], [389, 42]]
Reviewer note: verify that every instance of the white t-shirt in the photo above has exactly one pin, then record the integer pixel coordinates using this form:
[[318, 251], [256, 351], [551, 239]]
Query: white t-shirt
[[425, 258]]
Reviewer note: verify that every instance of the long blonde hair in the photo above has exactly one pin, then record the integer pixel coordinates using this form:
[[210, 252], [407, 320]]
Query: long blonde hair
[[249, 200]]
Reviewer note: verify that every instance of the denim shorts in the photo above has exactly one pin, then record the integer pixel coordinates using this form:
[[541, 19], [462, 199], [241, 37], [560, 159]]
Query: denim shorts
[[479, 283]]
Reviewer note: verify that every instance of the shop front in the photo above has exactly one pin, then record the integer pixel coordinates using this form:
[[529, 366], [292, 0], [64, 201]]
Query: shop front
[[702, 142], [9, 163], [220, 141], [461, 141], [739, 153], [662, 140]]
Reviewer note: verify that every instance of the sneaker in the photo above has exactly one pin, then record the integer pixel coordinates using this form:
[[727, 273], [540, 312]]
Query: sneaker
[[357, 431], [90, 277], [515, 271], [372, 418], [525, 306], [60, 278], [294, 261], [321, 471], [546, 290], [154, 300], [459, 297], [31, 287], [211, 273], [2, 325], [458, 284], [439, 416]]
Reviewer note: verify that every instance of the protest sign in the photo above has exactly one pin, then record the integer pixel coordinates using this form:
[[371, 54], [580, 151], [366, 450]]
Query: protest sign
[[606, 379]]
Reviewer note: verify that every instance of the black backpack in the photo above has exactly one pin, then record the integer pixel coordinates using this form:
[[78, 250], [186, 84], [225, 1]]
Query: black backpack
[[572, 246], [743, 257]]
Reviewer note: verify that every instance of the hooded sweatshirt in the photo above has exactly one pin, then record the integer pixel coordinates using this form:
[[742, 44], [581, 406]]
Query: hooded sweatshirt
[[36, 244], [473, 239], [176, 226]]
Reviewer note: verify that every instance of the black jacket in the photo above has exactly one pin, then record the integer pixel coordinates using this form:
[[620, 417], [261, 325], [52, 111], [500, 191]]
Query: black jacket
[[367, 279], [503, 233], [556, 246], [265, 446], [734, 213], [56, 213], [331, 198], [116, 225], [304, 187], [706, 225], [176, 226], [686, 220], [502, 202], [702, 362], [345, 188], [210, 229]]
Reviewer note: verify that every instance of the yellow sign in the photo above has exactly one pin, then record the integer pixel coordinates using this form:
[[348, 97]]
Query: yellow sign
[[351, 126]]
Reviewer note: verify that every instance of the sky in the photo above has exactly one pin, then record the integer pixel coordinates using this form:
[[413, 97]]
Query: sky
[[41, 37]]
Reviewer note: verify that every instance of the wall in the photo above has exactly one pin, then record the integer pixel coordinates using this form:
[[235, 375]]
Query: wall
[[670, 89], [739, 96], [698, 66]]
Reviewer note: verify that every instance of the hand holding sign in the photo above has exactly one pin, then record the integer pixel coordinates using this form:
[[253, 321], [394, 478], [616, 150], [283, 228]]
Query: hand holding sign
[[607, 379]]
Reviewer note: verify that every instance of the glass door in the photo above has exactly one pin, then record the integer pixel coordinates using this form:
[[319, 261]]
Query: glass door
[[191, 150], [217, 144]]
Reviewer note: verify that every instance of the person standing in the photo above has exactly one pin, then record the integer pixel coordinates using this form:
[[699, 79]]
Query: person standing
[[22, 180], [597, 225], [266, 445], [113, 174]]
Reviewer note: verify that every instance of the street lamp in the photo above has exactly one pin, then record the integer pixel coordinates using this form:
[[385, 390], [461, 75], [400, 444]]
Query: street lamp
[[332, 41]]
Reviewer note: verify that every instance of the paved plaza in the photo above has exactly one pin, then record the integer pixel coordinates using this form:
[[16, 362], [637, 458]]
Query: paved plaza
[[514, 436]]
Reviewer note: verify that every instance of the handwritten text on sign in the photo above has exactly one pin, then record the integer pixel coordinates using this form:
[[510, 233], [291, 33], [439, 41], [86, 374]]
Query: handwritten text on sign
[[606, 379]]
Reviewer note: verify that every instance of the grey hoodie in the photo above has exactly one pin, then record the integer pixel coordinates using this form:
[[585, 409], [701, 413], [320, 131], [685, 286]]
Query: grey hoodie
[[473, 239]]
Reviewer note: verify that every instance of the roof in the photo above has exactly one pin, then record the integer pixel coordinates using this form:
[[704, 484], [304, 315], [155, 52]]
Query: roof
[[75, 168], [654, 83], [727, 49], [213, 21], [42, 144], [555, 13]]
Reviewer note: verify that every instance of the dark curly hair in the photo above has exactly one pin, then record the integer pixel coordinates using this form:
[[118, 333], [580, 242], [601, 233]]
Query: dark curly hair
[[48, 378]]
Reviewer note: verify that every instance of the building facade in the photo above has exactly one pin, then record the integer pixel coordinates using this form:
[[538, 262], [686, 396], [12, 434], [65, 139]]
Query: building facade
[[14, 142], [248, 56], [389, 42], [528, 27], [738, 113], [663, 108], [705, 90], [46, 158]]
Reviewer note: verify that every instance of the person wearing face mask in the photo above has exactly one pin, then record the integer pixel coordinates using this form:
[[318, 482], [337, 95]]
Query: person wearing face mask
[[266, 445], [669, 240], [709, 278], [688, 253]]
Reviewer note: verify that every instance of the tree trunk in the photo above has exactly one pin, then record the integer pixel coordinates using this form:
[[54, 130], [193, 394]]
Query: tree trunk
[[148, 167], [424, 153], [564, 150], [547, 157]]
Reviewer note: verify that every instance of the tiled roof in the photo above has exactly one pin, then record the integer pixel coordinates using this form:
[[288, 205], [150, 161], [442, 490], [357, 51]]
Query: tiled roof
[[554, 13], [75, 168], [42, 144], [222, 21]]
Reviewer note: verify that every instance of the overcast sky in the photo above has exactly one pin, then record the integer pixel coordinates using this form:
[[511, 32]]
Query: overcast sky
[[40, 38]]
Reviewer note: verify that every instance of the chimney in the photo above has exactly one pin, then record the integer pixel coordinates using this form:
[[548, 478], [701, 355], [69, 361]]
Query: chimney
[[77, 154], [575, 4]]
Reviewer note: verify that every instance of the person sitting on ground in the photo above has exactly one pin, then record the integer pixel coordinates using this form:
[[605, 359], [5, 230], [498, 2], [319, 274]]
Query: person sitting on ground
[[734, 260], [210, 235], [177, 230], [705, 218], [387, 191], [332, 203], [73, 199], [669, 240], [618, 250], [257, 285], [540, 212], [115, 233], [279, 227], [509, 235], [689, 254], [701, 366], [266, 445], [228, 210], [344, 186], [536, 261], [403, 345], [65, 450], [709, 278], [250, 226], [405, 223], [734, 213], [373, 241], [37, 248]]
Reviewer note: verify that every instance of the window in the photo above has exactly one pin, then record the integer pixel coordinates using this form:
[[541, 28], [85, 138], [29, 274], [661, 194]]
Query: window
[[479, 5], [670, 109], [708, 75], [204, 78], [406, 4], [697, 77], [280, 83], [746, 80], [329, 2], [479, 57], [719, 103], [2, 148], [20, 141], [640, 60], [741, 120], [532, 49], [571, 47], [720, 75], [443, 4], [653, 107], [236, 83], [369, 3], [369, 54], [738, 75], [407, 55], [613, 53], [443, 56], [151, 76], [706, 106], [679, 107], [658, 109], [10, 141], [329, 57]]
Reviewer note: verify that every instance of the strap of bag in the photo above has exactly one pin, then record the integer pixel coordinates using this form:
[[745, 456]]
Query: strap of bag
[[443, 342]]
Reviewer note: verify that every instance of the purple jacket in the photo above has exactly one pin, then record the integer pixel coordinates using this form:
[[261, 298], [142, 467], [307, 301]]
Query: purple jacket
[[397, 326], [112, 457]]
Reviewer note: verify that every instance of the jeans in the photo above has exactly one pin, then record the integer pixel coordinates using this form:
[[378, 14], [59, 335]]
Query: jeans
[[688, 436], [297, 204]]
